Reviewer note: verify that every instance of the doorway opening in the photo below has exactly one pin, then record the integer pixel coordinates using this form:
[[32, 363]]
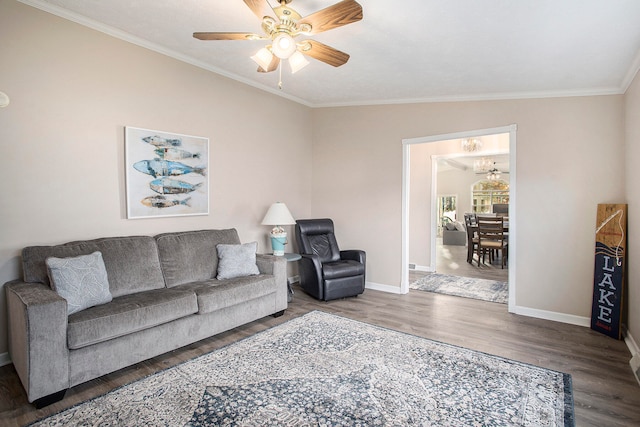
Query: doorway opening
[[457, 234], [415, 192]]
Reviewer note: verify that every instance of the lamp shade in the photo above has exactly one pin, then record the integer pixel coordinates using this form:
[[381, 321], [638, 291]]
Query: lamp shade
[[297, 62], [263, 58], [278, 214], [283, 46]]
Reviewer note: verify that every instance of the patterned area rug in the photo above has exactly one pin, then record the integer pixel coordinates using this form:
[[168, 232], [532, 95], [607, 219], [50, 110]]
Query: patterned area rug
[[321, 369], [468, 287]]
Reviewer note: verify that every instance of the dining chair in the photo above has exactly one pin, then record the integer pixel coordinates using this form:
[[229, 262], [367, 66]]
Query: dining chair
[[471, 224], [491, 238]]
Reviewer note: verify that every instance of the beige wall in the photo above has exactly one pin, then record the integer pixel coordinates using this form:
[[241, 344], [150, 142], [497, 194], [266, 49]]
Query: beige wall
[[632, 127], [72, 92], [569, 158]]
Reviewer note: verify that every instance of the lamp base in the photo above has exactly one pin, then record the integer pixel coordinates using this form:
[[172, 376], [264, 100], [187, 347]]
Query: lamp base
[[277, 244]]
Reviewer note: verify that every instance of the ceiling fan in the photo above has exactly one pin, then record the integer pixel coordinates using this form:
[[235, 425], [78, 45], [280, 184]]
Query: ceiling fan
[[283, 24]]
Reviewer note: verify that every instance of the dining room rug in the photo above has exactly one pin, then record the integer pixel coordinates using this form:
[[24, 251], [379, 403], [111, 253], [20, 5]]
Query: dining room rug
[[326, 370], [467, 287]]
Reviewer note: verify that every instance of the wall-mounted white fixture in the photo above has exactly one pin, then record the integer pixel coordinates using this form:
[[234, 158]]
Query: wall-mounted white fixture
[[4, 99]]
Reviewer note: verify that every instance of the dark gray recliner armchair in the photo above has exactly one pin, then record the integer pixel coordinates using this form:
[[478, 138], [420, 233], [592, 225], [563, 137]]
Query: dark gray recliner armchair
[[326, 272]]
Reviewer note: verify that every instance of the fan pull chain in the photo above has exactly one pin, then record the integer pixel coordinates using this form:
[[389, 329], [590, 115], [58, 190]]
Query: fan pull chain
[[280, 77]]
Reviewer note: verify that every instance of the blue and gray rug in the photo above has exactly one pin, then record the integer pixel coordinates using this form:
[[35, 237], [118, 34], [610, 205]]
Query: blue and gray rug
[[323, 370], [467, 287]]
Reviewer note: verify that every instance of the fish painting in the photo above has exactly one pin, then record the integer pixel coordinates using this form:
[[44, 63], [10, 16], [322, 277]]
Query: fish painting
[[157, 167], [162, 142], [172, 186], [163, 202], [172, 153]]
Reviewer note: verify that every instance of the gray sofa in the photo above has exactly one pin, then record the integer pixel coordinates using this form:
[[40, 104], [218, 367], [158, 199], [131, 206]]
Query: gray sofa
[[454, 233], [165, 295]]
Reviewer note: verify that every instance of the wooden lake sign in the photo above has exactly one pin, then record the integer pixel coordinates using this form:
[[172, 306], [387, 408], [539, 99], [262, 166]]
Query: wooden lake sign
[[610, 264]]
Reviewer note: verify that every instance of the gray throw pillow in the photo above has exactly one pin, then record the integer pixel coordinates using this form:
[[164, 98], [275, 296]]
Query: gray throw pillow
[[237, 260], [81, 280]]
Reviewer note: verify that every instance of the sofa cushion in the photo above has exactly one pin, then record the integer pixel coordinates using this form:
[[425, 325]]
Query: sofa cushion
[[81, 280], [191, 256], [132, 263], [237, 260], [128, 314], [218, 294]]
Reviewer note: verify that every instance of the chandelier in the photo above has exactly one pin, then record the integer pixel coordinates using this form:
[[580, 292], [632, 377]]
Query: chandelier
[[471, 144], [482, 165]]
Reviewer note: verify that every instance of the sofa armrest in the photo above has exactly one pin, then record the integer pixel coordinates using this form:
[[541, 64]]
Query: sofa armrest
[[37, 319], [265, 263], [277, 266]]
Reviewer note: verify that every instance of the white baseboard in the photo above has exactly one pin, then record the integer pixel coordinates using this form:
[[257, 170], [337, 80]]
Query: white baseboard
[[424, 268], [635, 366], [632, 344], [635, 355], [384, 288], [368, 285], [552, 315], [4, 359]]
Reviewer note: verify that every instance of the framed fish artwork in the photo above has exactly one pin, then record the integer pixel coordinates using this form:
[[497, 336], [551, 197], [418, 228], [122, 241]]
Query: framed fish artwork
[[166, 173]]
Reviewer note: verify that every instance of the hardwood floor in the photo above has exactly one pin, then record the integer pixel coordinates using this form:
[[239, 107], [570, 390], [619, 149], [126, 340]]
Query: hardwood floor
[[605, 390], [451, 259]]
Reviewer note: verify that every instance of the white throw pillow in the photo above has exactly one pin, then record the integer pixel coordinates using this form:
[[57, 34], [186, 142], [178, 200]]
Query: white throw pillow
[[459, 226], [81, 280], [237, 260]]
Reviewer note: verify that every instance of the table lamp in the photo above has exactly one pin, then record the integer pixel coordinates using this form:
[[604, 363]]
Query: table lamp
[[278, 215]]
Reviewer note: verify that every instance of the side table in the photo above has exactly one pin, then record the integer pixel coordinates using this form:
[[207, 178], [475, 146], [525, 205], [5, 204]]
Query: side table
[[291, 257]]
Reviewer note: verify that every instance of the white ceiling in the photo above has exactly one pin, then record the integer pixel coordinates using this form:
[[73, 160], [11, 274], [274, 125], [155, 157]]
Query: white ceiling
[[402, 50]]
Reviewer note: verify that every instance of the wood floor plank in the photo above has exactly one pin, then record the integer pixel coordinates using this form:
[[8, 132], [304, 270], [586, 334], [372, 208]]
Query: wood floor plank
[[605, 390]]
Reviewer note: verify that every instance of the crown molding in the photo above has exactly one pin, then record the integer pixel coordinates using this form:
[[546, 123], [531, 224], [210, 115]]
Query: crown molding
[[631, 74]]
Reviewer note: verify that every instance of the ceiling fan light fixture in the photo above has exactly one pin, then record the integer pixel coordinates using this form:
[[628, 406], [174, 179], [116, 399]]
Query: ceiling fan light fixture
[[297, 62], [493, 174], [283, 46], [282, 25], [263, 58]]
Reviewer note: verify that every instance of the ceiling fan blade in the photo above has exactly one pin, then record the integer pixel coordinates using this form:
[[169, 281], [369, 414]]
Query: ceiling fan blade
[[261, 8], [342, 13], [227, 36], [272, 66], [326, 54]]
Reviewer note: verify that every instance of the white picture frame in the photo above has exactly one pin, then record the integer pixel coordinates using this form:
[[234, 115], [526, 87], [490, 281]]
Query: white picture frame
[[166, 174]]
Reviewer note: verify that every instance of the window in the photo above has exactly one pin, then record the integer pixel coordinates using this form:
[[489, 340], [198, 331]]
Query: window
[[487, 193]]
